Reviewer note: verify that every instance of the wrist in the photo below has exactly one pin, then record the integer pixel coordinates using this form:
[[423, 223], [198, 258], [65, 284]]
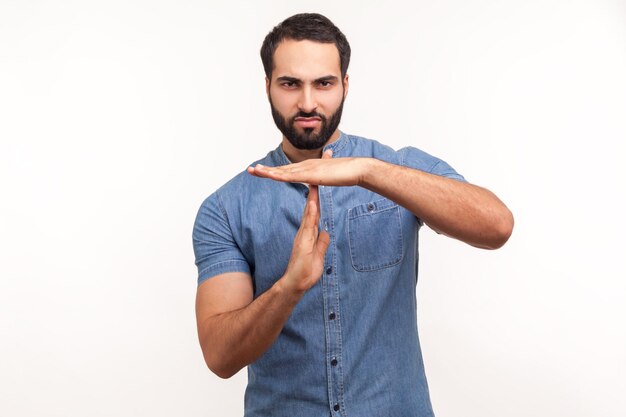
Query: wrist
[[287, 291], [370, 167]]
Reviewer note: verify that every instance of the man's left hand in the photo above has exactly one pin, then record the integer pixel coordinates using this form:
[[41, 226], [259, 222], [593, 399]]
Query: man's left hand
[[324, 171]]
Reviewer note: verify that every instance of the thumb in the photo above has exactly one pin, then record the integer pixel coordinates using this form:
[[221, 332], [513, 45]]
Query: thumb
[[323, 240], [328, 154]]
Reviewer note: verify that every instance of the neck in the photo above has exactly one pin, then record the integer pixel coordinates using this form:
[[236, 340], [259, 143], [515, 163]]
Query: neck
[[296, 155]]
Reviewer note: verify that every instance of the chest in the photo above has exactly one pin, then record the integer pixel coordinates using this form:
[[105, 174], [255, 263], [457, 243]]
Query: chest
[[368, 232]]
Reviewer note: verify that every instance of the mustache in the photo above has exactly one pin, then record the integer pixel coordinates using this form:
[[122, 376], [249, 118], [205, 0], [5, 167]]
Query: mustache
[[308, 115]]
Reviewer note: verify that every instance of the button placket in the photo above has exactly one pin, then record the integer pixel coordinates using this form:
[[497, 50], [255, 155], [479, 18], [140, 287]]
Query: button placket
[[331, 295]]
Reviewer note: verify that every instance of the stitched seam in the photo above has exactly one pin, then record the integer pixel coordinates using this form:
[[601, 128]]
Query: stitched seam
[[230, 228], [371, 213], [339, 333], [327, 280], [432, 168], [223, 210], [220, 263], [352, 244]]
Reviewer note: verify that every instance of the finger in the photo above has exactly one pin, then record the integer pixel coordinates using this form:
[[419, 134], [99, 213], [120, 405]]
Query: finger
[[323, 241], [311, 215], [308, 229], [260, 171], [263, 171], [308, 210], [328, 154], [283, 173], [313, 193]]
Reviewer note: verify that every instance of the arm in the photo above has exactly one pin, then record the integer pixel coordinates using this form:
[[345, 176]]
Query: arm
[[234, 330], [457, 209], [460, 210]]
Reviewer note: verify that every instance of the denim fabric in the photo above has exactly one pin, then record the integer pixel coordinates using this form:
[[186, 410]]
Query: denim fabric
[[350, 346]]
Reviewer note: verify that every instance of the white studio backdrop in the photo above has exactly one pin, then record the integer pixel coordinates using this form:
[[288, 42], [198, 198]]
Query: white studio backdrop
[[118, 118]]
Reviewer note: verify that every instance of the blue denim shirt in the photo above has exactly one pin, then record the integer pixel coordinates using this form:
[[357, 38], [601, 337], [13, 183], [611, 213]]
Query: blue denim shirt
[[350, 346]]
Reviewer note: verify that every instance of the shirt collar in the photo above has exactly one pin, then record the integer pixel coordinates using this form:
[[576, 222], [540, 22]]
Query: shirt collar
[[280, 158], [337, 145]]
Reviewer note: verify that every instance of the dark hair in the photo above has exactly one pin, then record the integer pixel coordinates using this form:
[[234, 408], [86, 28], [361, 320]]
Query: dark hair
[[305, 26]]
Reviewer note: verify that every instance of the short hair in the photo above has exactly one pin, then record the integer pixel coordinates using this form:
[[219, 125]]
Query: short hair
[[305, 26]]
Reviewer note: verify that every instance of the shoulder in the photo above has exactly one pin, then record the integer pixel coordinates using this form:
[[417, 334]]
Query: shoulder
[[236, 193], [362, 146], [408, 156], [242, 183]]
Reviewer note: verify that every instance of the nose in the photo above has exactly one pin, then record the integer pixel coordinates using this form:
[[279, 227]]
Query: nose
[[307, 102]]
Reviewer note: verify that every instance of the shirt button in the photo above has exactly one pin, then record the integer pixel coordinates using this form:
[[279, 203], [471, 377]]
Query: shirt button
[[333, 362], [370, 207], [336, 407], [331, 316], [329, 270]]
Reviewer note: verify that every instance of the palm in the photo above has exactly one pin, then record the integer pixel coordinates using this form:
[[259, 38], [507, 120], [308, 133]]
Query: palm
[[324, 171], [309, 246]]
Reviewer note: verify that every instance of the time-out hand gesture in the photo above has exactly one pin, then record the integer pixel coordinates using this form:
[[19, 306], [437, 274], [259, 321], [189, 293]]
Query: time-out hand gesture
[[324, 171], [309, 247]]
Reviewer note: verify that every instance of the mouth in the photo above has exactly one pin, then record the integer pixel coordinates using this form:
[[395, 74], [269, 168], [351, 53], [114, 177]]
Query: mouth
[[308, 121]]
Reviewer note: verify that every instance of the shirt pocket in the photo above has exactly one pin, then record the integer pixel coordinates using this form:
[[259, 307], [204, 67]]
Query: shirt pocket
[[375, 235]]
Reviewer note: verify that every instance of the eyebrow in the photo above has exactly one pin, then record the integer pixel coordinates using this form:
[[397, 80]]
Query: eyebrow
[[327, 78], [317, 80]]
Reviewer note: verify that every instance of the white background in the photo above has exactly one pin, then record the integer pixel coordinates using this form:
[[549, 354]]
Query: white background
[[118, 118]]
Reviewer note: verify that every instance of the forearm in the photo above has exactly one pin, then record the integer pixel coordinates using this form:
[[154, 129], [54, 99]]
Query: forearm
[[461, 210], [234, 339]]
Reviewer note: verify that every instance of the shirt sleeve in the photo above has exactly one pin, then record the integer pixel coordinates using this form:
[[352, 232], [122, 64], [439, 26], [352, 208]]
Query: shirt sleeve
[[414, 158], [214, 247]]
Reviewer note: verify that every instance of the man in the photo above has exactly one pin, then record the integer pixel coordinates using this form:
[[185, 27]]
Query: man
[[307, 260]]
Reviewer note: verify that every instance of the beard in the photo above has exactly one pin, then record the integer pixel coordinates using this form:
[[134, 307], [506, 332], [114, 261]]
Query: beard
[[307, 139]]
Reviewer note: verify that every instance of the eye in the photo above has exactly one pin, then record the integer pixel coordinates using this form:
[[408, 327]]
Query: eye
[[325, 83], [288, 84]]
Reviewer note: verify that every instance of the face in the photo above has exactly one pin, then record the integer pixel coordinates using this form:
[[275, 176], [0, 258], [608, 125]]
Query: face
[[306, 92]]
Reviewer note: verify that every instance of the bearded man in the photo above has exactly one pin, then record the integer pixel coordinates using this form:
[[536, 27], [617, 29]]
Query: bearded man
[[307, 260]]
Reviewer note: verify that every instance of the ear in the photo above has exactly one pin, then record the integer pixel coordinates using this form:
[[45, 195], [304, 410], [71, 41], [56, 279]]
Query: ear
[[267, 86], [345, 85]]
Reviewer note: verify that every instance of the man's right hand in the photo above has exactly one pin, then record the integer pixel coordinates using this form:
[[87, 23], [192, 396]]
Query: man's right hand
[[234, 328], [309, 247]]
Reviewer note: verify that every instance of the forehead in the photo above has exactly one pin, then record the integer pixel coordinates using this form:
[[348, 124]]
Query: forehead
[[306, 59]]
